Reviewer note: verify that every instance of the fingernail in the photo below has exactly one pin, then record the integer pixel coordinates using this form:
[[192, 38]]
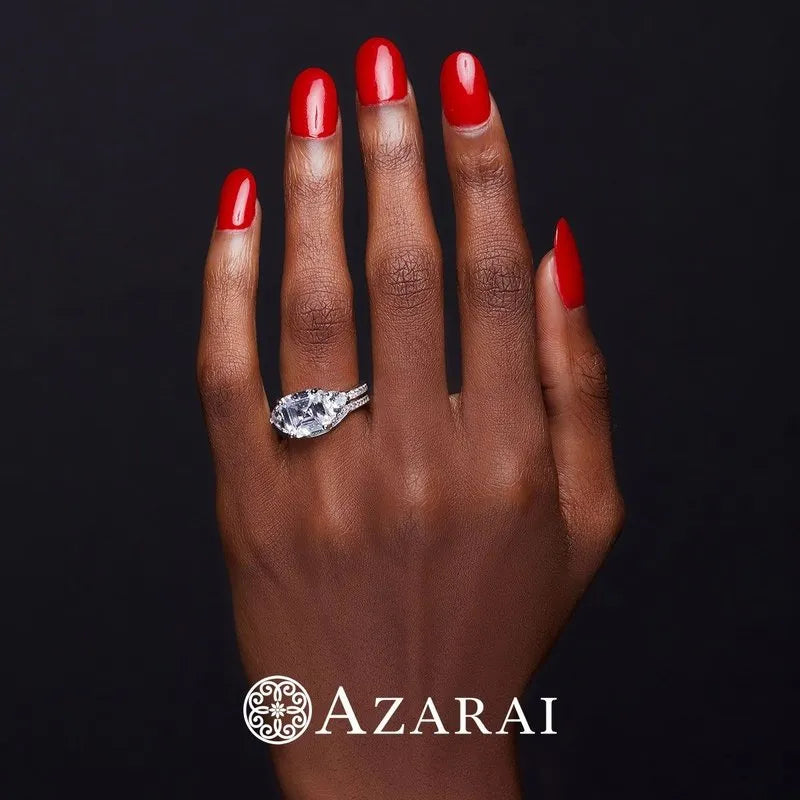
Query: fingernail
[[380, 72], [237, 201], [569, 273], [465, 92], [313, 107]]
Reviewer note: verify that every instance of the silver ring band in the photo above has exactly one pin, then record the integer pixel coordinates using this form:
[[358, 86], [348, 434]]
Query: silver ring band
[[312, 412]]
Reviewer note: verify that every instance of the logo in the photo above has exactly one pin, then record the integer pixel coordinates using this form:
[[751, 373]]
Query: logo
[[277, 709]]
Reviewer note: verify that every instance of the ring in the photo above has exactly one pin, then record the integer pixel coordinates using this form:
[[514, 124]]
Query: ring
[[312, 412]]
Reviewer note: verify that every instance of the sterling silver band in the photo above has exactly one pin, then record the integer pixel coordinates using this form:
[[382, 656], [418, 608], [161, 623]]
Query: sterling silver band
[[313, 412]]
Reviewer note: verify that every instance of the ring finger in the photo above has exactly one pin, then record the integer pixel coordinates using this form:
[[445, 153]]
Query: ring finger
[[403, 259]]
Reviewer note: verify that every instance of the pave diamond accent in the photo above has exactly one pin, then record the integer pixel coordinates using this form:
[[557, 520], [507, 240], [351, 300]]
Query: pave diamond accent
[[308, 413]]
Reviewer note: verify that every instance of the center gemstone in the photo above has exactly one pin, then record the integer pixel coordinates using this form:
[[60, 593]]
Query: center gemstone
[[307, 413]]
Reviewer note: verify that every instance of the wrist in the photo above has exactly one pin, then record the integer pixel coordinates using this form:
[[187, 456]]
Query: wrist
[[424, 768]]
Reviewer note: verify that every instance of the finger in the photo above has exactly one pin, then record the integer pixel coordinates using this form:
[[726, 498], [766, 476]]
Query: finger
[[403, 260], [495, 274], [227, 359], [318, 339], [573, 377]]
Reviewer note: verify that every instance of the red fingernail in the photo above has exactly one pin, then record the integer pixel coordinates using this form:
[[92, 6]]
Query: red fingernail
[[380, 72], [313, 107], [465, 92], [569, 273], [237, 201]]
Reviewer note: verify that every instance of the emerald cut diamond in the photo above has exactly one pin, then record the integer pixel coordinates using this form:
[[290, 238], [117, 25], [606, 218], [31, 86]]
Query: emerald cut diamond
[[308, 413]]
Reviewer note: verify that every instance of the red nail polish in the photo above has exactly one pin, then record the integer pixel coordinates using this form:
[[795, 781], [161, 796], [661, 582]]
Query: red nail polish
[[237, 201], [465, 92], [313, 107], [569, 273], [380, 72]]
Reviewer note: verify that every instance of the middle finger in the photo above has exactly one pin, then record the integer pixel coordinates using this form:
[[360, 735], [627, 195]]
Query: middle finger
[[403, 261]]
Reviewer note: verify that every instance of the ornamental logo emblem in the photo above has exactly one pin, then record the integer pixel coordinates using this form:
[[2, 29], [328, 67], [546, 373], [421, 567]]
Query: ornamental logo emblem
[[277, 709]]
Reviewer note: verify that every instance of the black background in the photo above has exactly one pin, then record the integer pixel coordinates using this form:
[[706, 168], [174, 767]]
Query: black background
[[657, 128]]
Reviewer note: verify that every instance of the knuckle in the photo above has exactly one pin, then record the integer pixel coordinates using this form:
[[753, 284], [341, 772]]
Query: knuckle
[[395, 152], [224, 384], [487, 172], [515, 496], [607, 515], [510, 484], [332, 523], [406, 277], [312, 184], [231, 278], [311, 245], [319, 316], [598, 513], [499, 279], [416, 490], [591, 381]]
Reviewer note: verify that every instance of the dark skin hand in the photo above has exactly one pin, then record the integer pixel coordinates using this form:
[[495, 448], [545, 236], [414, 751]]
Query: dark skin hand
[[431, 545]]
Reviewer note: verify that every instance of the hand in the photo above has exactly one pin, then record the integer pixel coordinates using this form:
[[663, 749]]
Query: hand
[[430, 545]]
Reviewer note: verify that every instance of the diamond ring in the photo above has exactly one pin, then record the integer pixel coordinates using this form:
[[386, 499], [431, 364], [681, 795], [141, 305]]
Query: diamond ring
[[312, 412]]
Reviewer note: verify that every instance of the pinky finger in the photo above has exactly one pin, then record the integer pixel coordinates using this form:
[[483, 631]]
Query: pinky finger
[[575, 389], [228, 372]]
